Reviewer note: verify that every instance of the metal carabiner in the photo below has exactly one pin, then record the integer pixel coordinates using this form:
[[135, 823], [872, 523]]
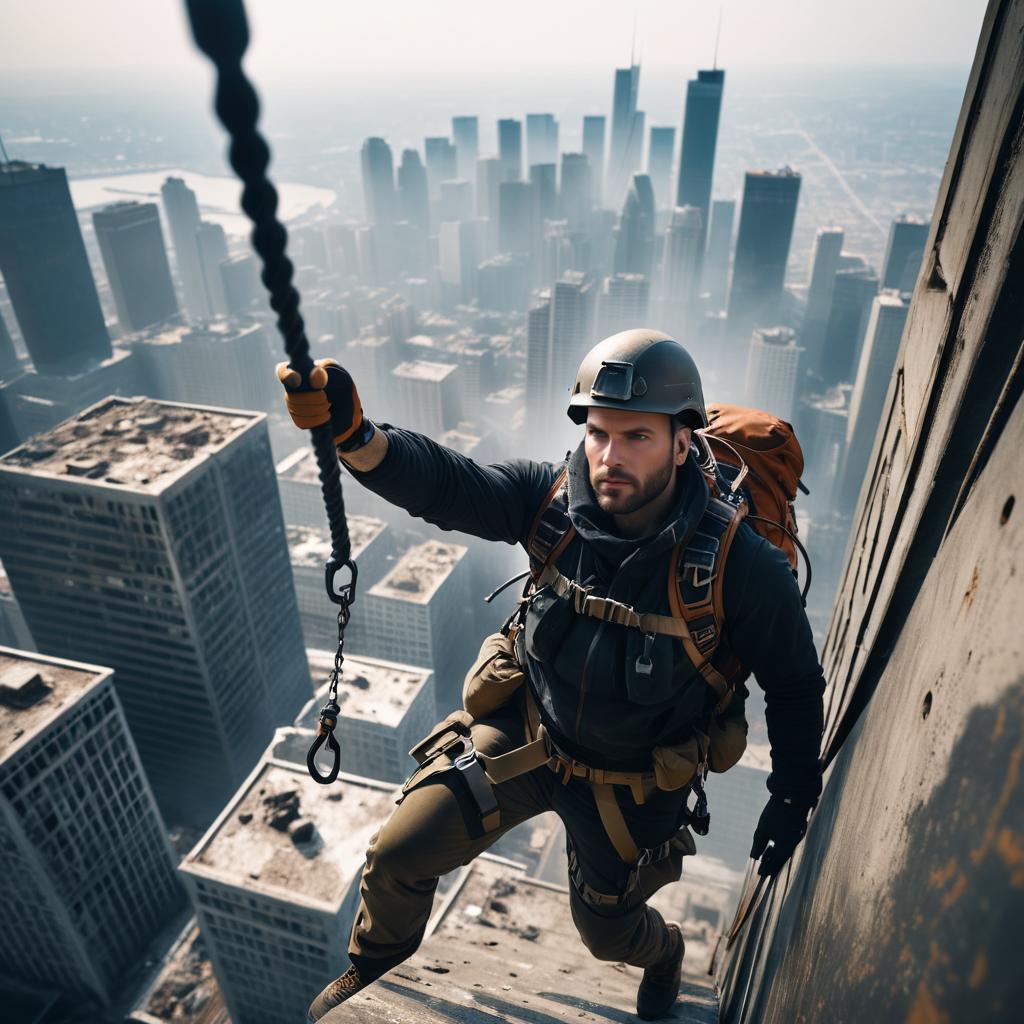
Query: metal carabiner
[[325, 737]]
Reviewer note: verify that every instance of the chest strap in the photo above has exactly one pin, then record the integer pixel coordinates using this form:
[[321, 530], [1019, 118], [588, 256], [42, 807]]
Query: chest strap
[[649, 623]]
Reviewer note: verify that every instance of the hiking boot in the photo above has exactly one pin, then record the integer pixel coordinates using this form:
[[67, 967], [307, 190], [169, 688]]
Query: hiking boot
[[660, 984], [335, 994]]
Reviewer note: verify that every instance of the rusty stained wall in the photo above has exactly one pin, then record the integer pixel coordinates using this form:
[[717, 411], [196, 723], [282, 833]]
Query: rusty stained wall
[[906, 900]]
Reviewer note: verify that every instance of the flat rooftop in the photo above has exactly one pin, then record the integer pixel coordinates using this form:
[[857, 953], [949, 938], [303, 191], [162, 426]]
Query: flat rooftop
[[36, 689], [139, 444], [461, 440], [369, 689], [504, 949], [422, 369], [757, 756], [311, 546], [420, 572], [287, 837]]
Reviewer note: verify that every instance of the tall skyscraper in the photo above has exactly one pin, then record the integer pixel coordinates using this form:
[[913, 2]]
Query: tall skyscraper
[[182, 213], [275, 886], [442, 163], [828, 244], [541, 139], [378, 181], [624, 124], [867, 400], [572, 320], [212, 244], [488, 178], [130, 536], [87, 875], [427, 396], [515, 201], [623, 303], [659, 165], [416, 614], [458, 261], [132, 246], [386, 709], [466, 137], [46, 271], [538, 365], [715, 276], [413, 196], [762, 249], [904, 252], [700, 136], [576, 196], [510, 148], [773, 363], [243, 289], [455, 201], [593, 150], [544, 182], [680, 266], [634, 244], [853, 291]]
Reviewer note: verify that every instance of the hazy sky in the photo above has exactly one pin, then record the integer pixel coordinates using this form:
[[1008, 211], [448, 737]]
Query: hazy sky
[[300, 40]]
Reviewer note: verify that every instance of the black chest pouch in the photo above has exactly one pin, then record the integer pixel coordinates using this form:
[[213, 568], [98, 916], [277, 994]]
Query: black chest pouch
[[548, 618]]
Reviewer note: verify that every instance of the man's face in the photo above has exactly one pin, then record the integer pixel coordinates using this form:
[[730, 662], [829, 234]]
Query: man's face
[[632, 456]]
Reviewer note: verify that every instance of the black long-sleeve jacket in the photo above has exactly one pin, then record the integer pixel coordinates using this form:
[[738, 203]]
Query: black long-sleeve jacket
[[583, 671]]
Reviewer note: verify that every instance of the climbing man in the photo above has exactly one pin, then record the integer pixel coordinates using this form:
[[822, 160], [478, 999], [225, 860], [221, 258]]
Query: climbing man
[[594, 701]]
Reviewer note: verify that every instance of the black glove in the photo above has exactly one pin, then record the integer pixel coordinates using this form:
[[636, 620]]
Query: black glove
[[782, 824], [330, 396]]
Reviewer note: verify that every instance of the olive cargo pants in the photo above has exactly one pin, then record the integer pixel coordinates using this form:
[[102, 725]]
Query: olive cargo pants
[[435, 829]]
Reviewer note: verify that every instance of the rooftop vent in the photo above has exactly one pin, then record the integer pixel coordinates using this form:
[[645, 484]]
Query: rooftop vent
[[22, 686]]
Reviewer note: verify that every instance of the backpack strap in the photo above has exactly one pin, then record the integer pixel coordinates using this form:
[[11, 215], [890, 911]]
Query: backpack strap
[[696, 589], [552, 529]]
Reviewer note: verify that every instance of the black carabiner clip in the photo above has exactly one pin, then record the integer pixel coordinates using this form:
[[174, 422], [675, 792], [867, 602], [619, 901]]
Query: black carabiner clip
[[325, 737]]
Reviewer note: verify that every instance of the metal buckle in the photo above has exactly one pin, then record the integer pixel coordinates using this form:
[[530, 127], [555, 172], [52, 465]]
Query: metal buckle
[[465, 761], [706, 581]]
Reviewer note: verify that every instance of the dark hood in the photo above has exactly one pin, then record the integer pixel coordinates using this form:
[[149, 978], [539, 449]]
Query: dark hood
[[629, 555]]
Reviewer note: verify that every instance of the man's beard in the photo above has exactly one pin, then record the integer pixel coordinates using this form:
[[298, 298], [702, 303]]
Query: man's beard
[[643, 492]]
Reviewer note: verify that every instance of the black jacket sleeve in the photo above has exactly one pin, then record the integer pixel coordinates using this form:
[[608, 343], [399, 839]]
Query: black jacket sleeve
[[768, 630], [449, 490]]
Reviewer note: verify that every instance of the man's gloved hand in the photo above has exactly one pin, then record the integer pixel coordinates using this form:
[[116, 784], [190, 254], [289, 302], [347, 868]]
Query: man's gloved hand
[[330, 396], [782, 824]]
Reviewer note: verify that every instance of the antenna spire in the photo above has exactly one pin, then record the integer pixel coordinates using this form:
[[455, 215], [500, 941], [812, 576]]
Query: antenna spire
[[718, 33], [632, 45]]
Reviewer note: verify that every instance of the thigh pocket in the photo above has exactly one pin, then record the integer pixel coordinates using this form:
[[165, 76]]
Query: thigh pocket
[[652, 877]]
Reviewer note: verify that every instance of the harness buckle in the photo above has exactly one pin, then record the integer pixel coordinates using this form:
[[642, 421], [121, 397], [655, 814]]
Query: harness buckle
[[705, 581], [644, 664]]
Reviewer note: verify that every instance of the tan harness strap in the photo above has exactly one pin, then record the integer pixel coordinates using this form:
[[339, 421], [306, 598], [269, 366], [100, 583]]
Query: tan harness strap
[[614, 823]]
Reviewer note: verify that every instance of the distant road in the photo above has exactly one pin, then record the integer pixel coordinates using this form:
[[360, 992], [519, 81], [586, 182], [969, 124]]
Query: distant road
[[838, 174]]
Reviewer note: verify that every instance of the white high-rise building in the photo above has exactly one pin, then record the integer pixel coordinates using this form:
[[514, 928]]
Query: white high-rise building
[[681, 267], [275, 885], [309, 548], [772, 366], [86, 873], [427, 395], [148, 536], [416, 615], [867, 400], [386, 709]]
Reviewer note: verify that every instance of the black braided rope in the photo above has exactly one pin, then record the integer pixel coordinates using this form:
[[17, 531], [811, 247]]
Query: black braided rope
[[221, 31]]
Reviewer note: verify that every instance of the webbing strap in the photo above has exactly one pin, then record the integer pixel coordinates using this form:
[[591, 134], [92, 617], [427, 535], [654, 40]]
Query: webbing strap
[[606, 609], [614, 823]]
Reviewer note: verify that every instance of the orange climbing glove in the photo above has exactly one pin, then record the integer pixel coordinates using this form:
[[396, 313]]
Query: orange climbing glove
[[329, 397]]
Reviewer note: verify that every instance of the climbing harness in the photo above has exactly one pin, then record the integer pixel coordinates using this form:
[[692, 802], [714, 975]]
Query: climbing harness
[[221, 31]]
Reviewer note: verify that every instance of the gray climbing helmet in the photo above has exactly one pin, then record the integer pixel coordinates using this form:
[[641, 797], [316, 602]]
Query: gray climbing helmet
[[640, 369]]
